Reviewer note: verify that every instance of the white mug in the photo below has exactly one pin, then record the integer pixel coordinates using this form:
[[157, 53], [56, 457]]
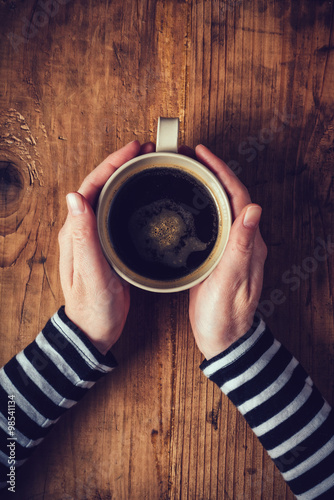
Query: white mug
[[148, 233]]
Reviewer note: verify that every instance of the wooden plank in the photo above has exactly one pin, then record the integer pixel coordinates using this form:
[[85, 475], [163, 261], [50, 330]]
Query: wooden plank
[[253, 81]]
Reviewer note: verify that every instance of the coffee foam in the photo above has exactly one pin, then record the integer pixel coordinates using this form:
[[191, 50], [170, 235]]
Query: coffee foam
[[164, 232]]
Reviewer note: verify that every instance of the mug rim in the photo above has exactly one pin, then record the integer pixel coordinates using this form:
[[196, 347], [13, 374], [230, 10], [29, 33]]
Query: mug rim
[[206, 178]]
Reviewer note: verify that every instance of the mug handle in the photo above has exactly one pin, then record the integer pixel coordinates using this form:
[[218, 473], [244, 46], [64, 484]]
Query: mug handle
[[167, 135]]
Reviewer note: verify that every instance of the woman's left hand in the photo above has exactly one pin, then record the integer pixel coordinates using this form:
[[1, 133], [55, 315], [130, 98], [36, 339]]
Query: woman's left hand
[[96, 299]]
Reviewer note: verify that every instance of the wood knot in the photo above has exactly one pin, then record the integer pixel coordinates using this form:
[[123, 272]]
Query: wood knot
[[213, 416], [21, 176], [12, 186], [18, 202]]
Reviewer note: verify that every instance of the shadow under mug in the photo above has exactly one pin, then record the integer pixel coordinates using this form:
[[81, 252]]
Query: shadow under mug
[[152, 212]]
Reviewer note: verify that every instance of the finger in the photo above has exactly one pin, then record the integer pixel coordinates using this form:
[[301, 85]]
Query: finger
[[93, 183], [237, 192], [187, 151], [148, 147], [88, 258], [235, 263], [65, 255], [259, 256]]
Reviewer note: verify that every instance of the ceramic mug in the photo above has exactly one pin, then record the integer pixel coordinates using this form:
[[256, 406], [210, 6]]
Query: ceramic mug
[[163, 218]]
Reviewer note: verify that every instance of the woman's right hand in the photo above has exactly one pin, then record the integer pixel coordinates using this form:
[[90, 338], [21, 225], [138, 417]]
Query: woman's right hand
[[222, 307]]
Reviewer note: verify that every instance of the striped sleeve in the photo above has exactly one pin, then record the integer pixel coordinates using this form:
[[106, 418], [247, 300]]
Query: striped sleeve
[[282, 406], [40, 383]]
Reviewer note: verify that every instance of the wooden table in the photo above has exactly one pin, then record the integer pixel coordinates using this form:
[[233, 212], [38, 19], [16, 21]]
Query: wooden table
[[254, 82]]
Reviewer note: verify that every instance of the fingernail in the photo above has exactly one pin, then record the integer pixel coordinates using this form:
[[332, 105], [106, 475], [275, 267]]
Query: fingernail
[[75, 204], [252, 216]]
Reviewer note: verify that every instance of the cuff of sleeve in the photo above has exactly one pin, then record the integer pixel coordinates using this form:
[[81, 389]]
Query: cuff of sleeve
[[238, 349], [85, 348]]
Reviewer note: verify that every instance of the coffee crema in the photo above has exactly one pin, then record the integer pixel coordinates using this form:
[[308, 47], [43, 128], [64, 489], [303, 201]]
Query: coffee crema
[[163, 223]]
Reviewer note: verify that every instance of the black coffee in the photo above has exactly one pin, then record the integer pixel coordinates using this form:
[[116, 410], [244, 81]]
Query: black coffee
[[163, 223]]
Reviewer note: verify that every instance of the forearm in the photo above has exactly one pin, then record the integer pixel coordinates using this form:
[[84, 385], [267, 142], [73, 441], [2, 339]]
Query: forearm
[[284, 409], [45, 379]]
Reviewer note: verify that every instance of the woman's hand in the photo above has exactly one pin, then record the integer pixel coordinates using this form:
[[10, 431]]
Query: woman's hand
[[96, 299], [222, 307]]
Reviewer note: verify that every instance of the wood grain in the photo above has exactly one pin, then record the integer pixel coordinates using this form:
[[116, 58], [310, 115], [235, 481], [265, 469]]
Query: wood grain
[[251, 80]]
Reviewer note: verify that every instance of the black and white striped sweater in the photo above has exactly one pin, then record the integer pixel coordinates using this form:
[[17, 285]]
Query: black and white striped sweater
[[266, 383]]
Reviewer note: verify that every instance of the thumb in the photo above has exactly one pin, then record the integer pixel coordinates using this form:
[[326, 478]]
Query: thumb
[[88, 257], [240, 245]]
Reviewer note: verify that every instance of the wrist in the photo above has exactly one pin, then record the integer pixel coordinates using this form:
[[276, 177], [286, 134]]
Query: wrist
[[87, 350], [231, 337], [101, 344]]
